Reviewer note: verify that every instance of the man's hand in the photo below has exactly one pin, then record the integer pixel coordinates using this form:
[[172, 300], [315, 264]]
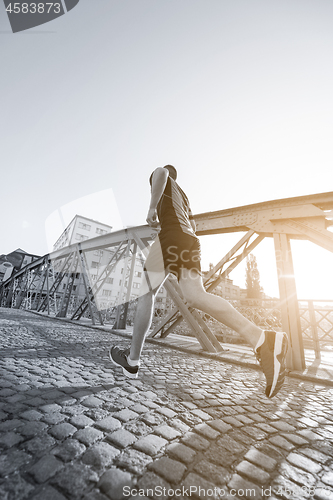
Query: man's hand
[[152, 217]]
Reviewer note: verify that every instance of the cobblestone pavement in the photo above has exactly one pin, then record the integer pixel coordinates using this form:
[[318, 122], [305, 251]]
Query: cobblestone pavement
[[73, 427]]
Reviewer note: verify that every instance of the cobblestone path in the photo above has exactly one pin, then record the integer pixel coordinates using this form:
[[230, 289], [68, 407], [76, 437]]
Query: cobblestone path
[[73, 427]]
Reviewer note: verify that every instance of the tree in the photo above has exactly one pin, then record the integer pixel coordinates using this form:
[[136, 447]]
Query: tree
[[254, 290]]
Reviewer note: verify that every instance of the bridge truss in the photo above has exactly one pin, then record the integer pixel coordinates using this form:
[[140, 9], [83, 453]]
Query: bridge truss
[[47, 284]]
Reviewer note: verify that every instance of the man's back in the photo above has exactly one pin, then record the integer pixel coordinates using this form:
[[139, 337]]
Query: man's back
[[173, 209]]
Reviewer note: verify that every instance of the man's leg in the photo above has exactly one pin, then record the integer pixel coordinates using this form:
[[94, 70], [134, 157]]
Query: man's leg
[[196, 296], [270, 347], [129, 359]]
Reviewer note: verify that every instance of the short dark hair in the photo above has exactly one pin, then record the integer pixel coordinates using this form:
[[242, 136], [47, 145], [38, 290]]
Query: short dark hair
[[172, 171]]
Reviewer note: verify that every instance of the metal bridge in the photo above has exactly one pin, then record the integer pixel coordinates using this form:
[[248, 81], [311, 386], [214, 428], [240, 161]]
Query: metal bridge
[[47, 284]]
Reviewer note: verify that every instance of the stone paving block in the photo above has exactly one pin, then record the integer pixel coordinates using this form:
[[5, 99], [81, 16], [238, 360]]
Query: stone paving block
[[81, 421], [309, 422], [315, 455], [206, 431], [50, 408], [181, 452], [53, 418], [88, 436], [125, 415], [108, 424], [11, 461], [62, 431], [153, 419], [198, 487], [10, 425], [242, 488], [122, 438], [267, 428], [310, 435], [220, 426], [244, 419], [214, 473], [150, 444], [139, 408], [149, 395], [6, 392], [201, 414], [3, 415], [225, 451], [281, 442], [15, 487], [327, 478], [92, 402], [95, 495], [286, 489], [197, 442], [179, 425], [256, 457], [32, 428], [48, 493], [100, 455], [45, 468], [31, 415], [323, 494], [133, 460], [154, 486], [113, 482], [75, 480], [169, 469], [255, 432], [167, 412], [232, 421], [167, 432], [304, 463], [189, 405], [280, 425], [69, 450], [297, 475], [10, 439], [253, 472], [38, 445], [138, 428]]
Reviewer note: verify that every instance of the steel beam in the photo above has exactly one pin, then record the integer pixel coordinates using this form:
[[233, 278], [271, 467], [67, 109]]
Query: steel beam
[[289, 305]]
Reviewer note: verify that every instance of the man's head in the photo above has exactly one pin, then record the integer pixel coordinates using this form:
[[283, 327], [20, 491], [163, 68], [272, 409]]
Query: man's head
[[172, 171]]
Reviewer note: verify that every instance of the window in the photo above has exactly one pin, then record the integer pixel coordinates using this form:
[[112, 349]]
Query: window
[[99, 253], [119, 282], [136, 285], [107, 293], [100, 231], [94, 264], [80, 237], [109, 280], [87, 227], [137, 274]]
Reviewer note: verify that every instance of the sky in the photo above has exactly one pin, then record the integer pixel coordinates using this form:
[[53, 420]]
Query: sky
[[237, 94]]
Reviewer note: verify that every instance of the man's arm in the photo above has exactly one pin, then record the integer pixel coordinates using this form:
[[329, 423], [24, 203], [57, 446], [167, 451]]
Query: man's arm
[[159, 180], [192, 221]]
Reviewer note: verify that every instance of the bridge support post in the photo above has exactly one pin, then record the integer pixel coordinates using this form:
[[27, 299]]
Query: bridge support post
[[291, 323]]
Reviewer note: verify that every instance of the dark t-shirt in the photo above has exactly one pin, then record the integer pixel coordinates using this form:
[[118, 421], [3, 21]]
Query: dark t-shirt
[[173, 209]]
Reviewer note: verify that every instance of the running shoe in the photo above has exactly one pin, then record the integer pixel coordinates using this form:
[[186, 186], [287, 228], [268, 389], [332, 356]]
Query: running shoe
[[118, 357], [271, 354]]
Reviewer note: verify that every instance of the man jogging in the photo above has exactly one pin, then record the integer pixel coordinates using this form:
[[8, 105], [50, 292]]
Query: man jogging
[[177, 250]]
